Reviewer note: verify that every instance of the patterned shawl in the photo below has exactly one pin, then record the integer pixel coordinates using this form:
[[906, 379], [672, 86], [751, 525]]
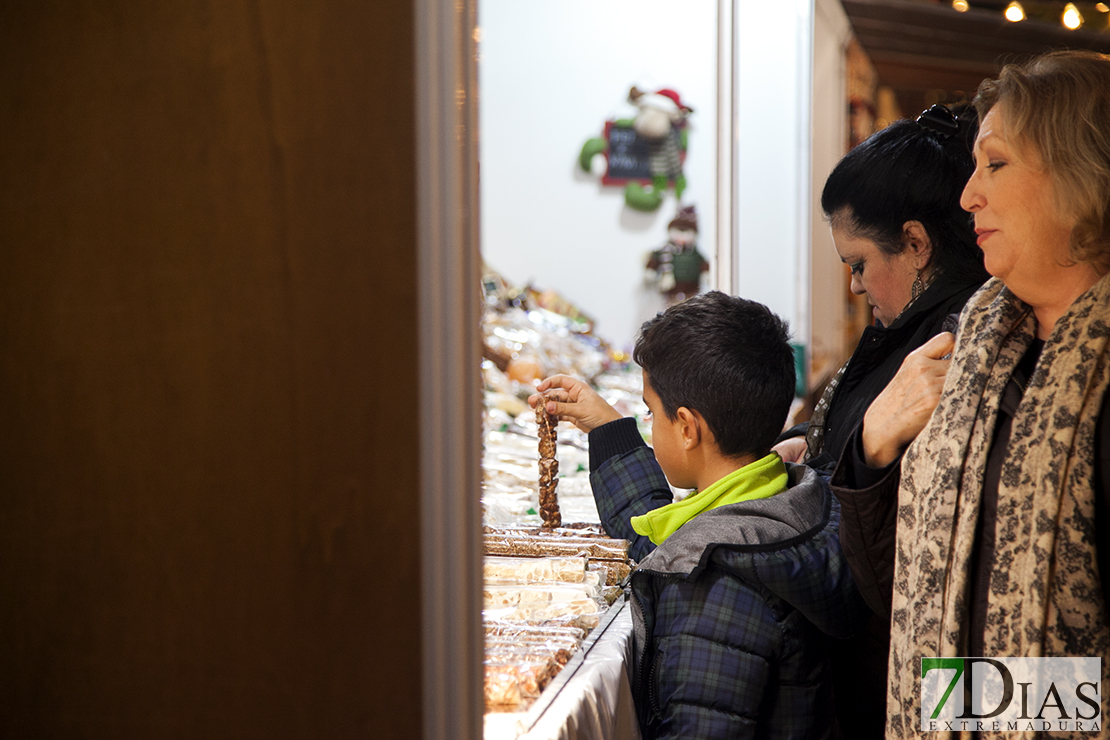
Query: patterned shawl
[[1045, 597]]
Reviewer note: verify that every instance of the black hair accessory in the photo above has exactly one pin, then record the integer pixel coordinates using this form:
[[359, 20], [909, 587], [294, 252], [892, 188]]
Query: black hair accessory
[[940, 120]]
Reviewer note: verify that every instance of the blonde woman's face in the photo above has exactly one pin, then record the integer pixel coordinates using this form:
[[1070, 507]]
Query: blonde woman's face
[[1021, 229]]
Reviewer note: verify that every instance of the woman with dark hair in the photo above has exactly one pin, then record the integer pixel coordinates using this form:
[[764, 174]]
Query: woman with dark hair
[[990, 535], [893, 204]]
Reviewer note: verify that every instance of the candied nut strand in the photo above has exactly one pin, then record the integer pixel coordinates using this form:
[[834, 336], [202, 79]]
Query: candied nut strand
[[549, 468]]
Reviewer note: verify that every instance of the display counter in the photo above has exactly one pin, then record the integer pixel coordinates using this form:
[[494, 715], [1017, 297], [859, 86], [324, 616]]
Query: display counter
[[591, 699]]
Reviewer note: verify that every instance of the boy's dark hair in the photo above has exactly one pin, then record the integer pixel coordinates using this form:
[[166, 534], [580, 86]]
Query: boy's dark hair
[[727, 358], [910, 171]]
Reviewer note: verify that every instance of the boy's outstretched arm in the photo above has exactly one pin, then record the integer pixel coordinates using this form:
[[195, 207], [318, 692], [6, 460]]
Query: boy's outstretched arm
[[625, 477], [626, 484], [573, 400]]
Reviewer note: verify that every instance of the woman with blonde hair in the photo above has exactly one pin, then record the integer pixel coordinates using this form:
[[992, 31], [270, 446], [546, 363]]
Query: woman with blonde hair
[[1002, 497]]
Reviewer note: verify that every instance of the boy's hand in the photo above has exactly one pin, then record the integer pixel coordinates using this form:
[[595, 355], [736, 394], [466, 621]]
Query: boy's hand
[[570, 399]]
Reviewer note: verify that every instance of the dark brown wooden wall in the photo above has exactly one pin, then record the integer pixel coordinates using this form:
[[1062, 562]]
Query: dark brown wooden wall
[[208, 458]]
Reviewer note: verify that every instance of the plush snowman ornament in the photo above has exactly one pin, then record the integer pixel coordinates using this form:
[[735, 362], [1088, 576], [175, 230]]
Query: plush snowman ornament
[[676, 267], [659, 119]]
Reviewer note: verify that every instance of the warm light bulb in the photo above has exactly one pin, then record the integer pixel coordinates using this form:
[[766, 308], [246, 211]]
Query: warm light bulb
[[960, 5], [1014, 12], [1102, 7], [1071, 18]]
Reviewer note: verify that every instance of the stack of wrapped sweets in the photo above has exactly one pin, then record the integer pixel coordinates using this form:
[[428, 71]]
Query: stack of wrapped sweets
[[545, 589]]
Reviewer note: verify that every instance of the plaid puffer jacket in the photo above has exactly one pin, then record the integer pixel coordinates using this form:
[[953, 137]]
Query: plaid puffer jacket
[[729, 610]]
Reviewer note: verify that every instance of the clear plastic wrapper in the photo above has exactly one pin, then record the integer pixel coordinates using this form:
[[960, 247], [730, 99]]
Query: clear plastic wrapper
[[510, 405], [510, 475], [544, 339], [510, 465], [516, 443], [613, 572], [497, 381], [514, 629], [533, 570], [506, 507], [531, 642], [578, 529], [559, 613], [611, 593], [575, 594], [530, 646], [511, 683], [540, 546]]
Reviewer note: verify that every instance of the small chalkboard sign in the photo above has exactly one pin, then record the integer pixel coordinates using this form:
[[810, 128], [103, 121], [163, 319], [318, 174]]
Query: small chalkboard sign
[[629, 155]]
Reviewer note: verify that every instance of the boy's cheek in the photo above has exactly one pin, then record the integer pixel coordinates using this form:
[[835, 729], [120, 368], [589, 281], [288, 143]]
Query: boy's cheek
[[663, 466]]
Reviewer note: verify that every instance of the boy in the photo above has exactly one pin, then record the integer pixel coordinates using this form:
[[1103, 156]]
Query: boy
[[735, 581]]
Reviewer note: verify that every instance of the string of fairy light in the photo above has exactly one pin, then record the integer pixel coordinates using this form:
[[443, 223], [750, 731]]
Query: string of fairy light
[[1070, 16]]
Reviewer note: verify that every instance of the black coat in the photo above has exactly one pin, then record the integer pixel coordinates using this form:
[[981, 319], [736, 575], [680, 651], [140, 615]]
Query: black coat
[[861, 662], [878, 356]]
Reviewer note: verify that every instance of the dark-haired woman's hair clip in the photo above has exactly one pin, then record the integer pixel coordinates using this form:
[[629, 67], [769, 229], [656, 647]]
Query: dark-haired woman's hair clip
[[939, 120]]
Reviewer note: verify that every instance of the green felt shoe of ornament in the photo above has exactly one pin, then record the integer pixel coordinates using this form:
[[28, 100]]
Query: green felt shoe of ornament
[[591, 149]]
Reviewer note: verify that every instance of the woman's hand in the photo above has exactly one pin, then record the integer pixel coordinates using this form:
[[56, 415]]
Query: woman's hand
[[570, 399], [792, 450], [900, 412]]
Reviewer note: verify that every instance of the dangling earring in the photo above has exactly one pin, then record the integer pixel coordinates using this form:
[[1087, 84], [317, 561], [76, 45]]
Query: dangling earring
[[918, 287]]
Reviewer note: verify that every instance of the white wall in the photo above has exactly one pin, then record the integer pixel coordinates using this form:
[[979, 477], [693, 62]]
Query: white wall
[[556, 71], [791, 130], [771, 200]]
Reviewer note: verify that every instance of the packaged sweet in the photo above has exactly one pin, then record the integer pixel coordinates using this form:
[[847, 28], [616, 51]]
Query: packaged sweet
[[511, 683], [574, 529], [500, 569], [613, 571], [549, 468], [532, 646], [611, 594], [531, 642], [542, 546], [505, 628], [579, 613], [495, 595]]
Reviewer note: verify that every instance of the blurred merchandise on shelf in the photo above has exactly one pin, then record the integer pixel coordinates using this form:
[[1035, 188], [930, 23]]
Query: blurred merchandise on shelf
[[524, 343]]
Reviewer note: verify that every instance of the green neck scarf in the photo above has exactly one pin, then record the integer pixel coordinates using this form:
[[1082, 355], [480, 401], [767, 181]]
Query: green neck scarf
[[761, 479]]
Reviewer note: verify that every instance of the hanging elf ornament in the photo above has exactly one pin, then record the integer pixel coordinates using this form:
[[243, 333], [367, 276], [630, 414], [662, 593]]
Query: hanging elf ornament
[[676, 267], [644, 153]]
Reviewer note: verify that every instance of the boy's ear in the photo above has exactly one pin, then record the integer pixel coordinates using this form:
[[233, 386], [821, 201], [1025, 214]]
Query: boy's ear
[[690, 424]]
